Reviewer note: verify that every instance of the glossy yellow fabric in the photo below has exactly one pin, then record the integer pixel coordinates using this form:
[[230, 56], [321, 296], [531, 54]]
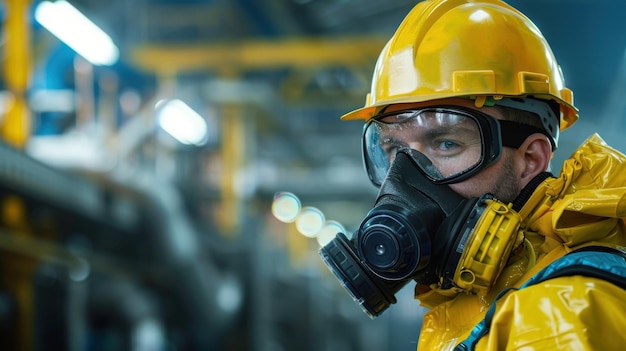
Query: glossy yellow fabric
[[570, 313], [584, 205]]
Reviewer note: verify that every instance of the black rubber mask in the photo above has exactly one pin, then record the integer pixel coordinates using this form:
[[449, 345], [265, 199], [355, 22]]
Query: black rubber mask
[[394, 243]]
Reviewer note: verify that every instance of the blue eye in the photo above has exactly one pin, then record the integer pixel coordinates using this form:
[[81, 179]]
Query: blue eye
[[447, 145]]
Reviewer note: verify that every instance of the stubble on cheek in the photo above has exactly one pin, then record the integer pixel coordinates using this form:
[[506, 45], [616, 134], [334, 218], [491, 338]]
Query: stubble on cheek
[[503, 183]]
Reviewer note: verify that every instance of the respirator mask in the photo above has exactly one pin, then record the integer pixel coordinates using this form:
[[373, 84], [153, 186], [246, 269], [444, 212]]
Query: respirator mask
[[419, 228]]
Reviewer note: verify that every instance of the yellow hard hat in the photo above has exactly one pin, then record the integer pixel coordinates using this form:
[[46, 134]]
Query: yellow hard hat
[[466, 48]]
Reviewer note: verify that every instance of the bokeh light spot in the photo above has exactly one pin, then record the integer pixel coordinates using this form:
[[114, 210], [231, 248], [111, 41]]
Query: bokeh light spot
[[310, 221], [328, 233], [286, 207]]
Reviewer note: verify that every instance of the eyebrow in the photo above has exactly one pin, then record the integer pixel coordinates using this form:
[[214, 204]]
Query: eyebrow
[[433, 133], [455, 129]]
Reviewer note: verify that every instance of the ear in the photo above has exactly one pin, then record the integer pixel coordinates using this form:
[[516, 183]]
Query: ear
[[533, 157]]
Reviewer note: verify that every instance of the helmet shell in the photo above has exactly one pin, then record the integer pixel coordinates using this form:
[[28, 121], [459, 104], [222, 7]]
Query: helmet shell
[[465, 48]]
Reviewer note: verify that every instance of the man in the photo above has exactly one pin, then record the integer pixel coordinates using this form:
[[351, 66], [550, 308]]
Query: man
[[465, 110]]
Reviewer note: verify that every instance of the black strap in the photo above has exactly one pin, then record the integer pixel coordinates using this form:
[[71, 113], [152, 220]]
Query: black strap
[[514, 133]]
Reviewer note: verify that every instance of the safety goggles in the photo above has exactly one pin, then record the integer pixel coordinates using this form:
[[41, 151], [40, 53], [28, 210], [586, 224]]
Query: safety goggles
[[453, 142]]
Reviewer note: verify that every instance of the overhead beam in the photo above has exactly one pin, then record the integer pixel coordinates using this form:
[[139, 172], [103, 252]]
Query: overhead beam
[[254, 55]]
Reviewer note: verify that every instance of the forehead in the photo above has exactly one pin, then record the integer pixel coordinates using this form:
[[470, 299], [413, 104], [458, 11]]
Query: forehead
[[491, 111]]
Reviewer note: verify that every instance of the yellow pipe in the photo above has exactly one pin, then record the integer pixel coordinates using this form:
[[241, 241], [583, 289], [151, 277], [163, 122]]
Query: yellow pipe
[[18, 273], [15, 127], [232, 154], [303, 52]]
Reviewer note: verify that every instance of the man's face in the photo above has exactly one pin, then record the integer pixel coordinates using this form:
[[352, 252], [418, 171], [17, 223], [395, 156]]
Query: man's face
[[442, 147]]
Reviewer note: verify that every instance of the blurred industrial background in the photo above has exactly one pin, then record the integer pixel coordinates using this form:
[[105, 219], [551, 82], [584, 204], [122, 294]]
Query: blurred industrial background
[[163, 188]]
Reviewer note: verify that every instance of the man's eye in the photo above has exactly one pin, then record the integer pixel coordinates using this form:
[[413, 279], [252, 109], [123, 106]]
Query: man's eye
[[446, 145]]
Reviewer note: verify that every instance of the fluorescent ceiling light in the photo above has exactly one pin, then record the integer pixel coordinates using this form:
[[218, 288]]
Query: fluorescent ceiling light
[[182, 122], [77, 31]]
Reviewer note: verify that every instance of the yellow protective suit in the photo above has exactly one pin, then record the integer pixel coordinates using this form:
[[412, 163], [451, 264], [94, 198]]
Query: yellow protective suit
[[585, 205]]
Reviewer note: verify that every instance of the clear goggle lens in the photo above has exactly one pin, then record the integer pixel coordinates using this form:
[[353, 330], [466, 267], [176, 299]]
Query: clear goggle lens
[[451, 142]]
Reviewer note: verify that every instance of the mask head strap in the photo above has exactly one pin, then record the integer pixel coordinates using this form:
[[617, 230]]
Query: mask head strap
[[541, 109], [514, 134]]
